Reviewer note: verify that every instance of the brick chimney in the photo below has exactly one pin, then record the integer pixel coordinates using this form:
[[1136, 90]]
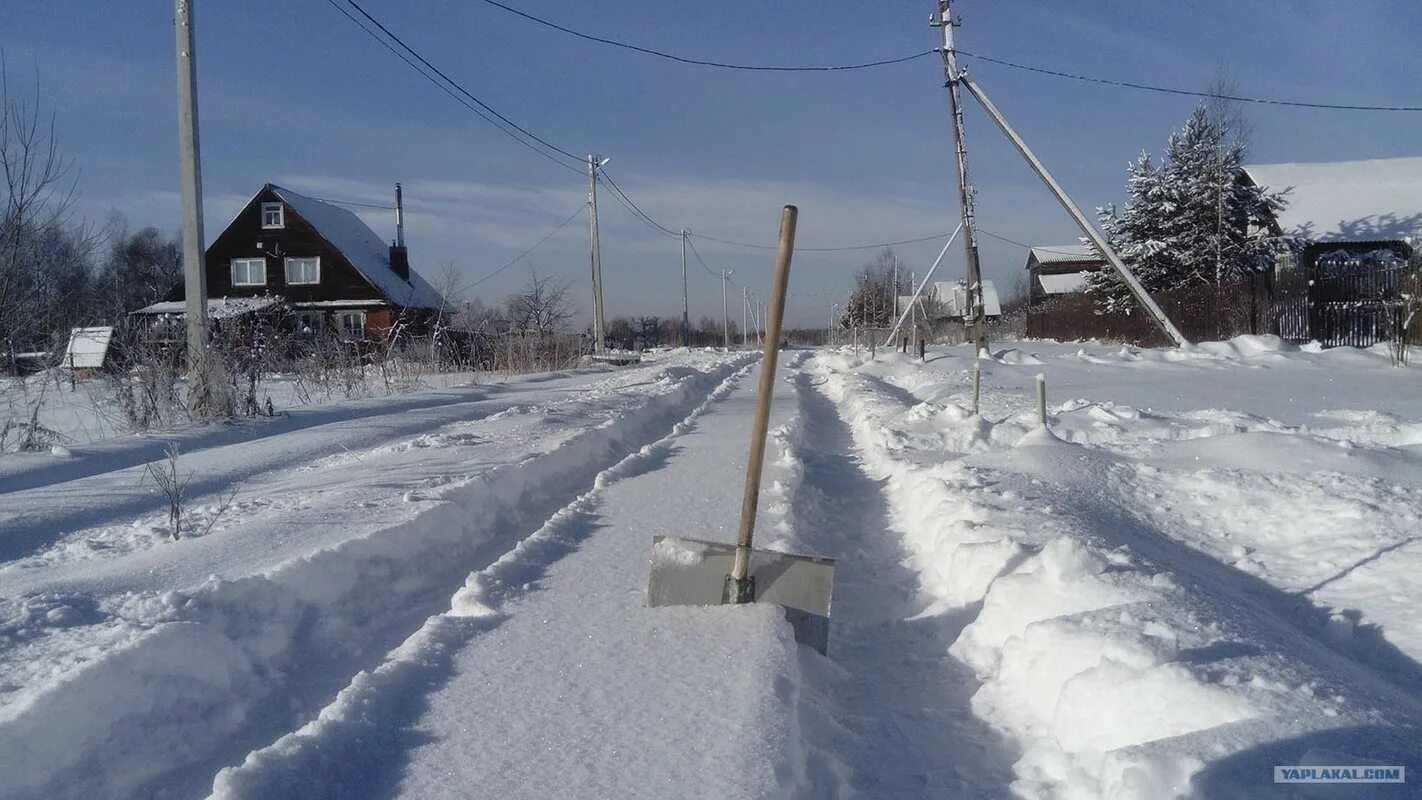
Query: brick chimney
[[399, 256]]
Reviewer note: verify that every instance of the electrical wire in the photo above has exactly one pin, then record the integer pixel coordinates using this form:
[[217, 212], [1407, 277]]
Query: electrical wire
[[457, 89], [1186, 92], [842, 249], [353, 203], [713, 273], [1002, 238], [704, 63], [525, 253], [632, 208]]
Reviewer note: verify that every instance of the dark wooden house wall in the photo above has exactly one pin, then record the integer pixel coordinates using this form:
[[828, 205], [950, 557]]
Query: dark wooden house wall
[[297, 239]]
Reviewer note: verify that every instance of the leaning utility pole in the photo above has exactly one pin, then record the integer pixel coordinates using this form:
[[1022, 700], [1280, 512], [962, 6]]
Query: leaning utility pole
[[594, 162], [1087, 229], [977, 327], [190, 170], [685, 308]]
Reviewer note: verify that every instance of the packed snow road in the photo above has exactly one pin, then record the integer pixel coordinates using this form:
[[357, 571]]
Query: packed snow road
[[1200, 570]]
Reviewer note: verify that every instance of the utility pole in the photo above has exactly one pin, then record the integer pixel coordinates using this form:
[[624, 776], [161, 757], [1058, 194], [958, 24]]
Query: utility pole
[[977, 329], [595, 162], [725, 311], [745, 316], [685, 308], [190, 170], [829, 334]]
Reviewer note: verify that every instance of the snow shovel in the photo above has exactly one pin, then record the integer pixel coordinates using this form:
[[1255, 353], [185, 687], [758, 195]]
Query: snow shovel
[[691, 572]]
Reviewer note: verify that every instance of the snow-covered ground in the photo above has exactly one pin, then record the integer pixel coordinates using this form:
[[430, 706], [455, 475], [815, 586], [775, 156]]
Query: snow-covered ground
[[1203, 568]]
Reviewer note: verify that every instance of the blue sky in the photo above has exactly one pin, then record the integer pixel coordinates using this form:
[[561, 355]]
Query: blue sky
[[292, 92]]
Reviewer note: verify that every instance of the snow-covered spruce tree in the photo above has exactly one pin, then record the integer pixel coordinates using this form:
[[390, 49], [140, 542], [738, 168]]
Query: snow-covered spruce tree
[[1191, 220]]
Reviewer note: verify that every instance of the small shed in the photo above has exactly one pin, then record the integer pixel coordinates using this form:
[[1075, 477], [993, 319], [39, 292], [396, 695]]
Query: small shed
[[88, 350]]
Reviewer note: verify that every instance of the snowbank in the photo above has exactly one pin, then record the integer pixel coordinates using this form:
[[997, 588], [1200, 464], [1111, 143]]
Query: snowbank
[[1120, 663]]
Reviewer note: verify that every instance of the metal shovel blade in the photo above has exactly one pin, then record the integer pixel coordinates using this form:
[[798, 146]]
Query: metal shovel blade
[[690, 572]]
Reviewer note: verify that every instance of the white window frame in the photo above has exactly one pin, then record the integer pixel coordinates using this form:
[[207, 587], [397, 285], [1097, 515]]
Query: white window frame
[[316, 318], [280, 216], [343, 316], [247, 262], [313, 259]]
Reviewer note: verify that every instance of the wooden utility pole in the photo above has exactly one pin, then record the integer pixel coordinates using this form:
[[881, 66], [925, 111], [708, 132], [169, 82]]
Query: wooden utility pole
[[594, 163], [725, 311], [190, 181], [745, 316], [685, 307], [973, 314]]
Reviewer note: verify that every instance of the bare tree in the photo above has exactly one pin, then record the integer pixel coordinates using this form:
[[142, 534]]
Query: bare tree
[[542, 308], [40, 187]]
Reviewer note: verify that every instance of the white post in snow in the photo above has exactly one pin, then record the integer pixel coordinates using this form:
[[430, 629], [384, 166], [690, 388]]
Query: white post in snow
[[977, 383], [1042, 398]]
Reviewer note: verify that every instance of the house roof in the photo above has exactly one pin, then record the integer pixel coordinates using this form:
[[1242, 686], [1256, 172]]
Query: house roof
[[217, 307], [366, 251], [1065, 253], [1063, 283], [1373, 200]]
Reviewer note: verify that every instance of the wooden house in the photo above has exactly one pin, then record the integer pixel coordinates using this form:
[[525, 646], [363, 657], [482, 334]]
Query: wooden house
[[1358, 230], [318, 261]]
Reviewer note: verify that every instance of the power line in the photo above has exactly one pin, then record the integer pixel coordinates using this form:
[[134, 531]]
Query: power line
[[1186, 92], [522, 255], [704, 63], [461, 89], [842, 249], [713, 273], [477, 103], [633, 207], [1002, 238], [353, 203]]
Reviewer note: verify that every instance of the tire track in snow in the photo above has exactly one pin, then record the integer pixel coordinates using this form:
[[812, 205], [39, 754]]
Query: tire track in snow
[[888, 715], [357, 733], [230, 663]]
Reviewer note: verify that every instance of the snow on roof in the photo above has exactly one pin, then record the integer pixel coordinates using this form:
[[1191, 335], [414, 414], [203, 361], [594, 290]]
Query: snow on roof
[[1064, 253], [1373, 200], [217, 307], [1065, 283], [367, 252], [87, 347]]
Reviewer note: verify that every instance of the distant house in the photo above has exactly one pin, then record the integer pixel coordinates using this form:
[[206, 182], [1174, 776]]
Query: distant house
[[318, 261], [1060, 269], [1358, 223]]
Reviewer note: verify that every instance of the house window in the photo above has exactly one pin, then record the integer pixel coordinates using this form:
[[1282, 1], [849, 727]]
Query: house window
[[308, 323], [249, 272], [352, 324], [303, 270], [272, 216]]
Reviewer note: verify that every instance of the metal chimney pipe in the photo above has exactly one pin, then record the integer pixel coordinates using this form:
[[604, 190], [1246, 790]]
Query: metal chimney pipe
[[399, 218]]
